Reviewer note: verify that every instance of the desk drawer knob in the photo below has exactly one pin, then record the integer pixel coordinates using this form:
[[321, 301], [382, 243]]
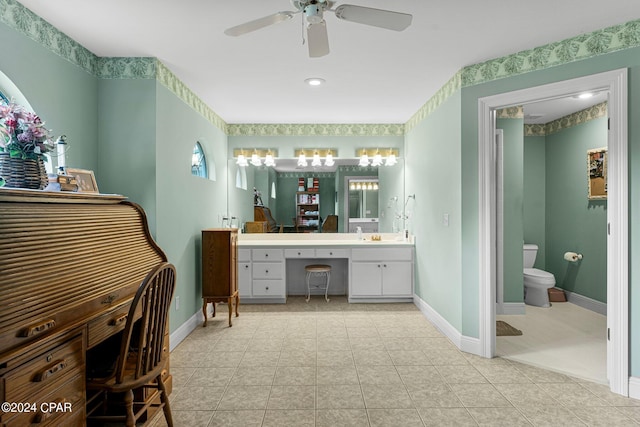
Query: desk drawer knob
[[118, 320], [38, 328], [50, 370]]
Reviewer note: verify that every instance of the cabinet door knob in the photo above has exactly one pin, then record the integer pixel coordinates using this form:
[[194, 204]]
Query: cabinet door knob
[[267, 288], [266, 271], [246, 266], [266, 255], [330, 253], [378, 265], [384, 265], [298, 253]]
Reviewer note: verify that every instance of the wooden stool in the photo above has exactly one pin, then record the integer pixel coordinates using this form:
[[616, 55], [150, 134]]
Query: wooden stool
[[318, 270]]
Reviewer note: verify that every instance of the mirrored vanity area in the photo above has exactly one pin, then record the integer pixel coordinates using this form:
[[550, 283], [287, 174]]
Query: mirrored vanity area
[[370, 257]]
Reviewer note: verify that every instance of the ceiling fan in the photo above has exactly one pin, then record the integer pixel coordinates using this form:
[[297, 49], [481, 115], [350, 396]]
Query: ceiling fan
[[313, 10]]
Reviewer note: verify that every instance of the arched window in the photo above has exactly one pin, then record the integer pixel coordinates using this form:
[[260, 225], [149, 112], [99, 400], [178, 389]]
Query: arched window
[[241, 178], [199, 162]]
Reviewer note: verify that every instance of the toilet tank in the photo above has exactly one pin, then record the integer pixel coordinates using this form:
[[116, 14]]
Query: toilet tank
[[529, 252]]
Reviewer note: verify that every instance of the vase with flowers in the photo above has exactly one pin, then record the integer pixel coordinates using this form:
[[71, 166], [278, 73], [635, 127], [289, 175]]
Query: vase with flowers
[[23, 143]]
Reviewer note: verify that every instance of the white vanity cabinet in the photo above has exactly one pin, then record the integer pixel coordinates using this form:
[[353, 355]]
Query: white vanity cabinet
[[244, 273], [381, 273], [268, 274]]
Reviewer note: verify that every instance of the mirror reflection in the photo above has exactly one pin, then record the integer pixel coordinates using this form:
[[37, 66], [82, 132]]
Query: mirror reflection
[[292, 198]]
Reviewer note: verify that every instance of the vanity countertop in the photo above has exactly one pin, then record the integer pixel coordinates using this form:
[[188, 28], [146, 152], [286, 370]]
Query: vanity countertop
[[321, 240]]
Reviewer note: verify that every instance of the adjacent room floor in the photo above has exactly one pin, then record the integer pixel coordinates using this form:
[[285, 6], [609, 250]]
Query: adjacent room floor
[[339, 364], [565, 338]]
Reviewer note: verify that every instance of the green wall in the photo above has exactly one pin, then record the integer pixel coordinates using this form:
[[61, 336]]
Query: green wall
[[534, 195], [432, 173], [513, 194], [574, 223]]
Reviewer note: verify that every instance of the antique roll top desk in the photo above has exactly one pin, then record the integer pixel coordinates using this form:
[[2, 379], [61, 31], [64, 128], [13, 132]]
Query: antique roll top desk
[[69, 266]]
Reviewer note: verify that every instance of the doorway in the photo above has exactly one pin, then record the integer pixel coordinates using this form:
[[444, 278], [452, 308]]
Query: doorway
[[614, 82]]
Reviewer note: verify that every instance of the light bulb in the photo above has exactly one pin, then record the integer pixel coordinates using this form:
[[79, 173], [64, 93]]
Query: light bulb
[[302, 160], [269, 161], [242, 161], [255, 160], [364, 160], [391, 160], [316, 160], [328, 161], [377, 160]]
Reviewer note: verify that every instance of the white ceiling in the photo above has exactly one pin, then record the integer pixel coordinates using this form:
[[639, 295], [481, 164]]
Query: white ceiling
[[373, 75]]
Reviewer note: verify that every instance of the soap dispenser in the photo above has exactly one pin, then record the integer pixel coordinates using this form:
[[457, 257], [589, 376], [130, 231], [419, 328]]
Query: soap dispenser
[[359, 231]]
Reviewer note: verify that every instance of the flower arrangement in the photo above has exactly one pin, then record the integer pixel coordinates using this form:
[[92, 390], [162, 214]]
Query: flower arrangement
[[22, 133]]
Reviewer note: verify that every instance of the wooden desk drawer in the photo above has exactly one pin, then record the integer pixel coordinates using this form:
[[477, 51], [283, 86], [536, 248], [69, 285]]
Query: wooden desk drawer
[[44, 373], [62, 407], [267, 270], [107, 324]]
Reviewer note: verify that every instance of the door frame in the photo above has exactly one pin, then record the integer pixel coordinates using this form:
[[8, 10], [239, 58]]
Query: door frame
[[615, 82]]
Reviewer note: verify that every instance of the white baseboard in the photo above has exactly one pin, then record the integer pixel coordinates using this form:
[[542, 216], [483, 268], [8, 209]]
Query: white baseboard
[[585, 302], [634, 387], [509, 308], [187, 327], [464, 343]]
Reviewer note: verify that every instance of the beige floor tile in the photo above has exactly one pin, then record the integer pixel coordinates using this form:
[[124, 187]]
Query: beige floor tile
[[364, 332], [460, 374], [297, 358], [181, 375], [446, 417], [378, 375], [539, 375], [253, 375], [221, 359], [394, 418], [260, 358], [445, 356], [550, 416], [295, 375], [390, 396], [498, 417], [249, 418], [526, 395], [605, 394], [265, 344], [197, 399], [342, 418], [292, 397], [501, 373], [632, 412], [372, 357], [367, 344], [409, 357], [572, 394], [343, 375], [433, 396], [245, 397], [209, 377], [419, 374], [602, 416], [289, 418], [335, 358], [402, 344], [295, 343], [339, 397], [479, 395], [186, 418], [332, 343]]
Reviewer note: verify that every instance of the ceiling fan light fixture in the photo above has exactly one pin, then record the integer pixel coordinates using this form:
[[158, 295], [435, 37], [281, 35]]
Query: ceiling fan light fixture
[[313, 12]]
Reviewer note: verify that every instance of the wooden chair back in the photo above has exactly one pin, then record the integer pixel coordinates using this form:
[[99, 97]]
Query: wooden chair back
[[330, 224]]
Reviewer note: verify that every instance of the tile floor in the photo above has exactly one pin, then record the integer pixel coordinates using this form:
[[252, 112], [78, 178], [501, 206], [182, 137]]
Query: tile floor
[[557, 338], [338, 364]]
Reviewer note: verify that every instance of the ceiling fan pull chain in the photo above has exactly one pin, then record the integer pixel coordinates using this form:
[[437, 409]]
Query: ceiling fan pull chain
[[302, 30]]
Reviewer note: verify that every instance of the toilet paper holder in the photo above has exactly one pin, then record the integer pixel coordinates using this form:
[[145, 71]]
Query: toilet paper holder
[[572, 256]]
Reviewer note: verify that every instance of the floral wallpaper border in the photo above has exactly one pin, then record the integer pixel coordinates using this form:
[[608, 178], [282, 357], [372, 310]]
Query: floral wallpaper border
[[313, 129], [607, 40], [510, 113], [594, 112]]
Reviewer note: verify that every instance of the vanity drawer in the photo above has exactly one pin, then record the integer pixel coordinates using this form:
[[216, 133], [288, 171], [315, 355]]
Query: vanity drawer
[[44, 373], [267, 254], [244, 255], [268, 288], [332, 253], [267, 270], [299, 253], [382, 254]]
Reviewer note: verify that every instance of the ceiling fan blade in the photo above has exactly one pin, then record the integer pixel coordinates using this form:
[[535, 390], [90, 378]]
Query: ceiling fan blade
[[257, 24], [388, 19], [318, 40]]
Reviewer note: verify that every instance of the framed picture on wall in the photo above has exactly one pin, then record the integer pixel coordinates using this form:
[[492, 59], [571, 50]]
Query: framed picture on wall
[[597, 173], [86, 180]]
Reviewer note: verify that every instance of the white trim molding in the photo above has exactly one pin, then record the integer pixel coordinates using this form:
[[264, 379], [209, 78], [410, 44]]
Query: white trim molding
[[510, 308], [615, 83], [634, 387], [586, 302], [464, 343]]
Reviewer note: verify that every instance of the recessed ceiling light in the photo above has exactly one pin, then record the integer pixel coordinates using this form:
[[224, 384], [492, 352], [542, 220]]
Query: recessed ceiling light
[[314, 81]]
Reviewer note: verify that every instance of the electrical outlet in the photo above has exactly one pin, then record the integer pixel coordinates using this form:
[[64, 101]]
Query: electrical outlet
[[177, 302]]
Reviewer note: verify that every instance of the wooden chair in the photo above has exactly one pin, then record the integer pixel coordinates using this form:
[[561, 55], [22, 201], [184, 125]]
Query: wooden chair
[[142, 355]]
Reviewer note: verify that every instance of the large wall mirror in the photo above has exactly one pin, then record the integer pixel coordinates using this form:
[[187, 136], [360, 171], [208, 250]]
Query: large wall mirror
[[279, 187]]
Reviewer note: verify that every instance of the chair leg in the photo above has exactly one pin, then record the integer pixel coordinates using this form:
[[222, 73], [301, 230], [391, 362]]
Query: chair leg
[[308, 288], [204, 312], [326, 292], [165, 401], [230, 304], [128, 402]]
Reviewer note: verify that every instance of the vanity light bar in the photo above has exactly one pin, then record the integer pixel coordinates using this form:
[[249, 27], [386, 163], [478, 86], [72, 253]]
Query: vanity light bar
[[248, 152], [371, 152], [310, 152]]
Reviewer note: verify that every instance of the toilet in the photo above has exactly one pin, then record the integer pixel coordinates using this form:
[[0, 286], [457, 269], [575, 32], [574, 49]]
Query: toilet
[[536, 282]]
